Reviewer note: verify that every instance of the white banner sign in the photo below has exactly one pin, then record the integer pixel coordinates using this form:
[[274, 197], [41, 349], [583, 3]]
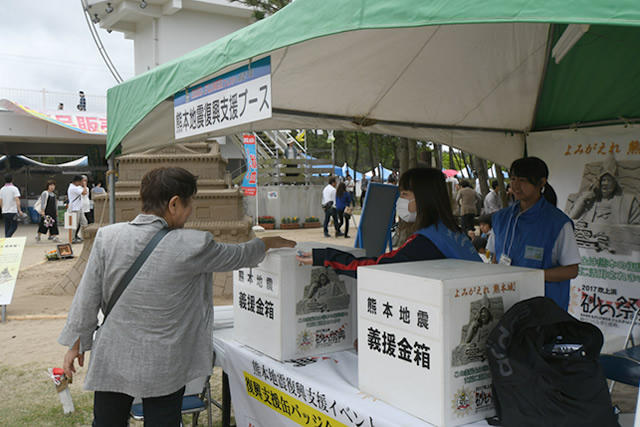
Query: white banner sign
[[596, 174], [237, 97], [10, 257]]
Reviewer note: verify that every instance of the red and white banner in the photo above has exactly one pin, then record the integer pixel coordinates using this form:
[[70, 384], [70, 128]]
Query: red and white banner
[[83, 122]]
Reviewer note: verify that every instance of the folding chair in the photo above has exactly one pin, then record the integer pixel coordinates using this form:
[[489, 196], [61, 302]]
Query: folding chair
[[624, 365], [197, 398]]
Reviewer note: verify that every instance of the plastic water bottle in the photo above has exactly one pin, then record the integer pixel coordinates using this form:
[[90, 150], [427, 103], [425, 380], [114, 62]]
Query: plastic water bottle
[[62, 387]]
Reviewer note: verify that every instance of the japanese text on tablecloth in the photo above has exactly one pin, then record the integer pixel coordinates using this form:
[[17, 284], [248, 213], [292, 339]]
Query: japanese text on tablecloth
[[312, 400]]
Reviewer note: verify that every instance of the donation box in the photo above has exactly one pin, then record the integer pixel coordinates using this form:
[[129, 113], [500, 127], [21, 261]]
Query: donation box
[[288, 311], [422, 333]]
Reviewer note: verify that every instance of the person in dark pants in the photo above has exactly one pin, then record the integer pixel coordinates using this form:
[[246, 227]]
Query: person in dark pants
[[467, 199], [10, 204], [112, 409], [364, 183], [343, 201], [329, 206], [48, 213]]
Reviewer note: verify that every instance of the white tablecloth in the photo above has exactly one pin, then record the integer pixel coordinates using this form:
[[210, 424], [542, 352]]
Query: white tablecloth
[[320, 391]]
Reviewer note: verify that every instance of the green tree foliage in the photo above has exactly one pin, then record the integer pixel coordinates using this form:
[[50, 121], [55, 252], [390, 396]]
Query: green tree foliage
[[262, 8]]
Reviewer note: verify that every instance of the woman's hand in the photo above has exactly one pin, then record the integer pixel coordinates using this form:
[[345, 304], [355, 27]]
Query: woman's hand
[[70, 357], [305, 258], [277, 242]]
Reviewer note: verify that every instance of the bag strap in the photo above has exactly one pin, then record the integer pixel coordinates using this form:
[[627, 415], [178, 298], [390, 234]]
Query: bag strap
[[133, 270]]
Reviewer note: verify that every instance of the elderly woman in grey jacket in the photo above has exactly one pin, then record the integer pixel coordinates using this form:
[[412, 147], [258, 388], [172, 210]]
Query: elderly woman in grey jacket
[[157, 337]]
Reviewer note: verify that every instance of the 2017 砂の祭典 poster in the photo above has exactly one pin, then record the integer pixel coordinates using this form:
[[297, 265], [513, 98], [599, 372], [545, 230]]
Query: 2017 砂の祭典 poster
[[596, 174]]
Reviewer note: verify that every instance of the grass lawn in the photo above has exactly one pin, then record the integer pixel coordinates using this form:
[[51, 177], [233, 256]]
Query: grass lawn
[[29, 399]]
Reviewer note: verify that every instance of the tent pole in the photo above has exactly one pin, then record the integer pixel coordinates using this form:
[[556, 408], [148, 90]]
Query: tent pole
[[112, 188]]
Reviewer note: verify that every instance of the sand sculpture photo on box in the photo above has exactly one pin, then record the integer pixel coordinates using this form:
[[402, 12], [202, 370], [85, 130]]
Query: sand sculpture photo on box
[[484, 314], [325, 292]]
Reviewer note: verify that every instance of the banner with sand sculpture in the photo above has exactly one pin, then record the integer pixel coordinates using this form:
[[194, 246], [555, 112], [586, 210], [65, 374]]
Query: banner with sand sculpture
[[11, 250], [596, 173]]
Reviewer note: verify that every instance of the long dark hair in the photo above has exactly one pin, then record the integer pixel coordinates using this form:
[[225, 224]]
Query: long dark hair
[[534, 169], [341, 190], [432, 199]]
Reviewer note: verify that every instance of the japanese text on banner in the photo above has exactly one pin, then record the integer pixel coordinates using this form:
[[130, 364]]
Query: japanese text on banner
[[250, 181], [235, 98]]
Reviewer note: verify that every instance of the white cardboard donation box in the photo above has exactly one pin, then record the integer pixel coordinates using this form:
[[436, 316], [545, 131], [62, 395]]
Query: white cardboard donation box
[[422, 333], [288, 311]]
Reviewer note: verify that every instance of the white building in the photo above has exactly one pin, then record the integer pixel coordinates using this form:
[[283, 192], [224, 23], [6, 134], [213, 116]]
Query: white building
[[163, 30]]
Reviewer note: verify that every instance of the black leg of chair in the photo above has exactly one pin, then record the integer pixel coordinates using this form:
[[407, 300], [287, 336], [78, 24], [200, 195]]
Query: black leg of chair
[[209, 414], [226, 401]]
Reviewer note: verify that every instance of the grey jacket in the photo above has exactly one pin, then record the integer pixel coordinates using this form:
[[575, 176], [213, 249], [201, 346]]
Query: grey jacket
[[158, 336]]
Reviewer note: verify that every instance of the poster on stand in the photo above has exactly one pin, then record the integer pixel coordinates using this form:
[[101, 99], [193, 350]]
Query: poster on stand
[[11, 250], [596, 174]]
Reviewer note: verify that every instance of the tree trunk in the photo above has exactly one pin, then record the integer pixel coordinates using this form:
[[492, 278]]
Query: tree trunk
[[437, 150], [500, 178], [413, 153], [357, 155], [403, 154], [371, 159], [341, 139], [480, 165], [451, 164]]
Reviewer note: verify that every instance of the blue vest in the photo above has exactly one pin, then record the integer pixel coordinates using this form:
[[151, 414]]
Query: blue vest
[[536, 232], [452, 244]]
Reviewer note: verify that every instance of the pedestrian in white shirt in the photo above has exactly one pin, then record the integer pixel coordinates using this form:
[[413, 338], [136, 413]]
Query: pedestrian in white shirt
[[492, 202], [351, 186], [329, 206], [10, 204], [74, 194], [87, 203]]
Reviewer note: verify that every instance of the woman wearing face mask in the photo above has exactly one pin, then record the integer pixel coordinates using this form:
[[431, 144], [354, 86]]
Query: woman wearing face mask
[[534, 233], [423, 199]]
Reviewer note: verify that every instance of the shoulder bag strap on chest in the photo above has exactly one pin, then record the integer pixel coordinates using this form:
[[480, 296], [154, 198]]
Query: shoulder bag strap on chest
[[133, 270]]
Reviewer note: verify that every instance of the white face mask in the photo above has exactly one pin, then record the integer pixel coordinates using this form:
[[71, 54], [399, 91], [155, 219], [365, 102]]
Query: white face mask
[[402, 209]]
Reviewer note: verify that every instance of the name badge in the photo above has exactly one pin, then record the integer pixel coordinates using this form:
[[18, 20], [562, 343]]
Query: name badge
[[504, 260], [533, 252]]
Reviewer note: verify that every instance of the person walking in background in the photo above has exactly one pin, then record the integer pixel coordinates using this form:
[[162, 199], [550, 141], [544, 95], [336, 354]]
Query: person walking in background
[[329, 206], [467, 199], [351, 186], [492, 202], [74, 194], [86, 201], [82, 103], [364, 183], [10, 205], [343, 205], [48, 210]]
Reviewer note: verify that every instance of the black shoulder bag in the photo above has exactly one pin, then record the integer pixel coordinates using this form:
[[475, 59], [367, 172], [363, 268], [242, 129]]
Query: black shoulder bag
[[133, 270]]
